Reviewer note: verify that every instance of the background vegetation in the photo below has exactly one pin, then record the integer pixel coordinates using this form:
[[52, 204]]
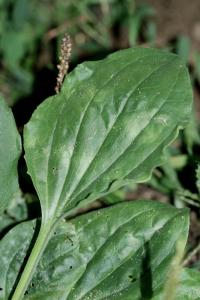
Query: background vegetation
[[30, 35]]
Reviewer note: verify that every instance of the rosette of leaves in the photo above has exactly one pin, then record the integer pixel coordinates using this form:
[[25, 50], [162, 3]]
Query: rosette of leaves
[[107, 127]]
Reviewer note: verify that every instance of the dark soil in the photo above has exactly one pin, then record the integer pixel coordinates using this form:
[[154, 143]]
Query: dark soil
[[176, 17]]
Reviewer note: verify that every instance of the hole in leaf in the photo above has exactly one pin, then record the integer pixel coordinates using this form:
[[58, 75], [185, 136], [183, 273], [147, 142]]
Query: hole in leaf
[[70, 267], [110, 185], [71, 241], [131, 278], [54, 170], [88, 195]]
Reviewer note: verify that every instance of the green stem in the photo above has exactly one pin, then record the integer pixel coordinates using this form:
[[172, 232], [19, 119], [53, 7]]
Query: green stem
[[36, 253]]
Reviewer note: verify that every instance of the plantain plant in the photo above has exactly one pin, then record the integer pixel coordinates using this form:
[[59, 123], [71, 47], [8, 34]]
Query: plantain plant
[[107, 127]]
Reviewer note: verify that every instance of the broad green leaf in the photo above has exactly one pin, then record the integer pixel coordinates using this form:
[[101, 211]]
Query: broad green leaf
[[122, 252], [15, 212], [10, 149], [108, 126], [189, 287]]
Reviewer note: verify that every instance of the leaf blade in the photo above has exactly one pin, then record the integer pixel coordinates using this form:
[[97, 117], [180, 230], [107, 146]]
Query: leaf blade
[[10, 151], [101, 125], [81, 262], [188, 288]]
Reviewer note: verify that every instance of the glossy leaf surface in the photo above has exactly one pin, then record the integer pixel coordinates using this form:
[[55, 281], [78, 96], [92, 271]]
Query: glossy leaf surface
[[122, 252], [108, 125], [10, 149]]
